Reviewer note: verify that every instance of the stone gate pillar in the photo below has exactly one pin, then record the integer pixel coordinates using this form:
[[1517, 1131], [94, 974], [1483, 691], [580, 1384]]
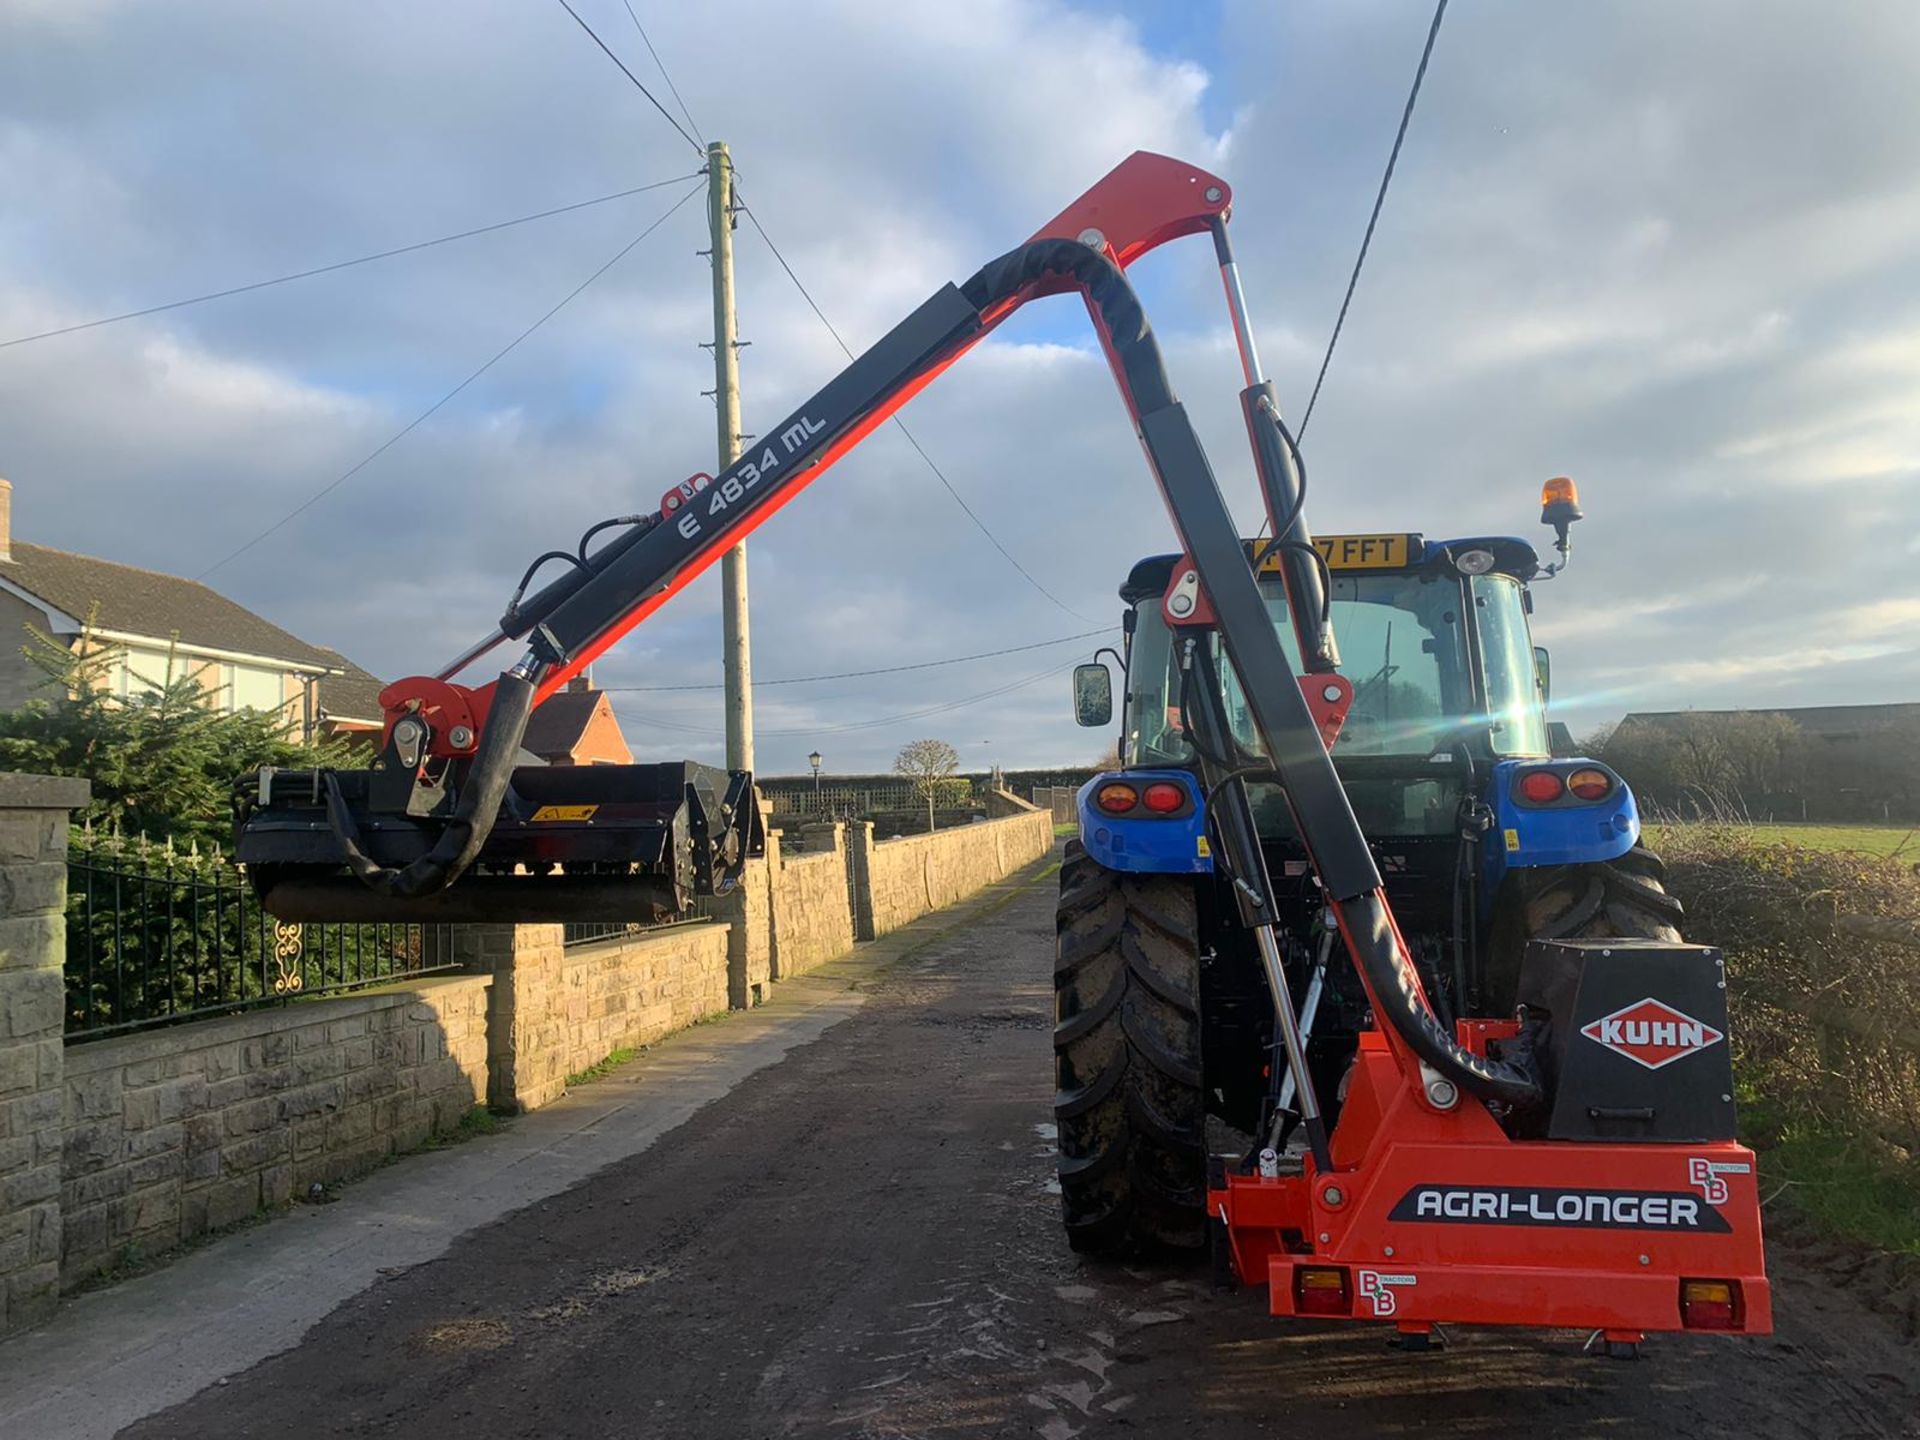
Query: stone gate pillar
[[33, 1005]]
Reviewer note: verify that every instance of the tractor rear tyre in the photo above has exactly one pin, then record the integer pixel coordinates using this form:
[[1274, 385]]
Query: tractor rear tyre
[[1128, 1103], [1624, 898]]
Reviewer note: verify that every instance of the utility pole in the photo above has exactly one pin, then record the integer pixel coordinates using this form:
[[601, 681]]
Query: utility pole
[[736, 646]]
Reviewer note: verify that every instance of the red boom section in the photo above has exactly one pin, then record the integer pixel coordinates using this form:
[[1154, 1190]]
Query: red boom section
[[1143, 202]]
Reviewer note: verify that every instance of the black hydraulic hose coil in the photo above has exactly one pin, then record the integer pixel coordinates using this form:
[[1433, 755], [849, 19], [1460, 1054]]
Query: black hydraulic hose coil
[[473, 816], [1106, 285], [1396, 987], [1377, 952]]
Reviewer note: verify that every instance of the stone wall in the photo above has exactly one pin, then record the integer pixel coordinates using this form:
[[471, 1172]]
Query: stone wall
[[33, 898], [139, 1142], [812, 910], [175, 1132], [620, 994], [748, 913], [558, 1009], [903, 879]]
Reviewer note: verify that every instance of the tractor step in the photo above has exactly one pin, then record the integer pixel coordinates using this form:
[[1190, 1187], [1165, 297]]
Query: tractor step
[[600, 843]]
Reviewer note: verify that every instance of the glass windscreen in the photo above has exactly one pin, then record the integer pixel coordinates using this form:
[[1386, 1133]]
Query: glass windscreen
[[1404, 647]]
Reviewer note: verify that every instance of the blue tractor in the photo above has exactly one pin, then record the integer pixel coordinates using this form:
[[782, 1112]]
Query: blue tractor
[[1486, 834]]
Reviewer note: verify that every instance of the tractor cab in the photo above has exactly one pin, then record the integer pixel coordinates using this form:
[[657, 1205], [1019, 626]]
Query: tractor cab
[[1445, 753], [1433, 639], [1446, 686]]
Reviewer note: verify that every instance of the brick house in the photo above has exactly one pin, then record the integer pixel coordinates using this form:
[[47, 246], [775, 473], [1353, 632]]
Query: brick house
[[577, 727], [147, 623]]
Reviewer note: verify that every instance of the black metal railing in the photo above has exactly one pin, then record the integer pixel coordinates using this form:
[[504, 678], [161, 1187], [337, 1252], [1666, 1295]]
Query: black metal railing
[[157, 935]]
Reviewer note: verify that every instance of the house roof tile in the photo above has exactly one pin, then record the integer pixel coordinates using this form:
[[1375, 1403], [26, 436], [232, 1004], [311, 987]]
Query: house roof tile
[[146, 602], [560, 723]]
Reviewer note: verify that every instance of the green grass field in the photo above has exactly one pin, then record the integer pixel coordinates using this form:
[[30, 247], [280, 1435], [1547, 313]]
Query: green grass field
[[1883, 841]]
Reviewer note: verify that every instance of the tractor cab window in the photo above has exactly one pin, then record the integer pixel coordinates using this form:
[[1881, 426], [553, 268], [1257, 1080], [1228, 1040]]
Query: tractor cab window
[[1506, 656], [1405, 647]]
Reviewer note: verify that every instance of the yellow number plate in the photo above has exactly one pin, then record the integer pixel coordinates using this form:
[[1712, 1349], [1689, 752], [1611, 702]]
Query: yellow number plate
[[1358, 552], [564, 812], [1365, 552]]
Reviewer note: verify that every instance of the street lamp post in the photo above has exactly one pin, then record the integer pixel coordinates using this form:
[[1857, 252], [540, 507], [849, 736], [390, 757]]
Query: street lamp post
[[814, 761]]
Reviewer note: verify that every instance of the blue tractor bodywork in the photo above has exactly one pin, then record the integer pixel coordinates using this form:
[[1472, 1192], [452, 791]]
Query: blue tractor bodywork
[[1152, 845], [1519, 834]]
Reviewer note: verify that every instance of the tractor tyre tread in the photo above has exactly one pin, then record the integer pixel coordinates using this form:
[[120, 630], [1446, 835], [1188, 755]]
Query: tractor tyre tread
[[1129, 1109], [1624, 898]]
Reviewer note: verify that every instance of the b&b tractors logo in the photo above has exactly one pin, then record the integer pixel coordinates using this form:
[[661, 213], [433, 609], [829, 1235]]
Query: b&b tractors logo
[[1652, 1033]]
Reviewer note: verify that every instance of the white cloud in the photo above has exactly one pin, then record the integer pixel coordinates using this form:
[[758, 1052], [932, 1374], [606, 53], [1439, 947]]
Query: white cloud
[[1602, 256]]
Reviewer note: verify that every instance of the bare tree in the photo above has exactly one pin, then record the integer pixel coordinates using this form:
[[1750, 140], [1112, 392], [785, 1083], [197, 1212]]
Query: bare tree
[[927, 763]]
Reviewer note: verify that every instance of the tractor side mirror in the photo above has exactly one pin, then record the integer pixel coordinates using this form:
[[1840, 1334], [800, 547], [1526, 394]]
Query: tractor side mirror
[[1543, 672], [1092, 694]]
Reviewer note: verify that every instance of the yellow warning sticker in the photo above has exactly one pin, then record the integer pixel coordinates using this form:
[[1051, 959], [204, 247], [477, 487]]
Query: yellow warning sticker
[[564, 812], [1513, 841], [1201, 848]]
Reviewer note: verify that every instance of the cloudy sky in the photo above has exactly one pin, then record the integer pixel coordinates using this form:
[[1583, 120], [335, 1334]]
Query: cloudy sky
[[1672, 250]]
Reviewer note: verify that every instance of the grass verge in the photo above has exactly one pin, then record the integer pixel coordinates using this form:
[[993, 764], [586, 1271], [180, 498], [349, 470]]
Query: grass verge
[[1883, 842], [1849, 1186]]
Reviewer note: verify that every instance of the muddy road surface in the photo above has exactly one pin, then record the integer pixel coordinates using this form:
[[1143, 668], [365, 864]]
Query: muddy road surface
[[861, 1241]]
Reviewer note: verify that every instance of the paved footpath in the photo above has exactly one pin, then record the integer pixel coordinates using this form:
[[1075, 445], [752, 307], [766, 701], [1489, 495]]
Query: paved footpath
[[834, 1217]]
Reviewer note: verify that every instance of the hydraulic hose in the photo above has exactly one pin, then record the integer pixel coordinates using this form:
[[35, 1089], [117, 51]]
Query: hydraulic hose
[[1105, 284], [1365, 919], [474, 813], [1373, 943]]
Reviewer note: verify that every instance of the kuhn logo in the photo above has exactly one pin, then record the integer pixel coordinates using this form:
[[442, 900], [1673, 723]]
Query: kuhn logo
[[1652, 1033]]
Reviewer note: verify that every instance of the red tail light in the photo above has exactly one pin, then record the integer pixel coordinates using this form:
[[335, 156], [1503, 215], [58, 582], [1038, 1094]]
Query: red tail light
[[1711, 1305], [1542, 787], [1163, 798], [1116, 799], [1321, 1290]]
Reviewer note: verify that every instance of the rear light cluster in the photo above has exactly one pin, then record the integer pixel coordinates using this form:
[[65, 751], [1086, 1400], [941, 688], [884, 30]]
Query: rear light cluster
[[1584, 786], [1321, 1290], [1158, 797], [1712, 1305]]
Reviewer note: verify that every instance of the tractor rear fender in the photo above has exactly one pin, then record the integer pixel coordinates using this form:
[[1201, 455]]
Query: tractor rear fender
[[1140, 841], [1565, 831]]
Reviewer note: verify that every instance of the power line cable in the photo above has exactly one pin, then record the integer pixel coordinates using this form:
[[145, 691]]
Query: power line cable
[[432, 409], [740, 201], [692, 124], [912, 440], [883, 670], [1406, 115], [875, 724], [345, 264], [633, 77]]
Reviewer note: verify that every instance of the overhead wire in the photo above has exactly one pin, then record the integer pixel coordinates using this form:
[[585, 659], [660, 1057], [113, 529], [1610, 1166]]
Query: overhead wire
[[437, 405], [345, 264], [912, 439], [1380, 199], [668, 114], [881, 670], [877, 723], [661, 65], [740, 201]]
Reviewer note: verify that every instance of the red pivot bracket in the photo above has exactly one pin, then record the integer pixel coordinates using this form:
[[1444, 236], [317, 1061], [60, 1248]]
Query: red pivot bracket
[[1185, 605]]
